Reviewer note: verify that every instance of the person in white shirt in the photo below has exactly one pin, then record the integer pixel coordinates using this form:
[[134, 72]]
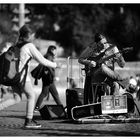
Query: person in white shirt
[[28, 51]]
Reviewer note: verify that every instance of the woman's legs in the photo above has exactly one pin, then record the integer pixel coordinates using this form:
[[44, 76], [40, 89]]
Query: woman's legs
[[29, 91], [54, 93], [44, 92]]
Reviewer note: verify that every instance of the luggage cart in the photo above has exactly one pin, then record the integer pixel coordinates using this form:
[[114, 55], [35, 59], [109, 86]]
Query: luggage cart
[[75, 84], [75, 75]]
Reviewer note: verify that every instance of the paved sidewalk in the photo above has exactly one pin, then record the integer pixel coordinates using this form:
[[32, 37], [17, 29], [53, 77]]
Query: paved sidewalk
[[12, 120]]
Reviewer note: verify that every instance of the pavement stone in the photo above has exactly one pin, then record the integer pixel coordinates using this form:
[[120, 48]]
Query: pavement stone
[[12, 120]]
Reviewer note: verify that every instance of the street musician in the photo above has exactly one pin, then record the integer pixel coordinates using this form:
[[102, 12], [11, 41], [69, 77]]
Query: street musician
[[99, 69]]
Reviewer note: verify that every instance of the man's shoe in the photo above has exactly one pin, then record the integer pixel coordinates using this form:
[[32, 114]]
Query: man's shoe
[[124, 83], [120, 117], [36, 109], [30, 123]]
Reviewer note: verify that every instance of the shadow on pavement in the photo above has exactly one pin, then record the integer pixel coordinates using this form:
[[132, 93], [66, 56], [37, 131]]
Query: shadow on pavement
[[12, 116], [84, 132]]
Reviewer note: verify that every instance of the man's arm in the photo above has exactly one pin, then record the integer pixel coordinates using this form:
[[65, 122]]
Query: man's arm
[[119, 58], [83, 59]]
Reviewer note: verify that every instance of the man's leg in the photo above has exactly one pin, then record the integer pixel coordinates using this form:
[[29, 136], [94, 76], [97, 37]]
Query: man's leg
[[114, 87], [105, 74], [112, 78], [87, 89], [110, 74]]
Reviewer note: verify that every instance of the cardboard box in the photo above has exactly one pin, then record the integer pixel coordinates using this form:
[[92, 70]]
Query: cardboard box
[[114, 104]]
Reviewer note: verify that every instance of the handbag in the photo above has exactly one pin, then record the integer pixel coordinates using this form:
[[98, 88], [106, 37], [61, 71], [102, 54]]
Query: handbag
[[48, 75], [37, 72]]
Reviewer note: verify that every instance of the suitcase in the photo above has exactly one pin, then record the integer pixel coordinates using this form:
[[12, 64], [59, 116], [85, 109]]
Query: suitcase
[[85, 111], [49, 112], [74, 97]]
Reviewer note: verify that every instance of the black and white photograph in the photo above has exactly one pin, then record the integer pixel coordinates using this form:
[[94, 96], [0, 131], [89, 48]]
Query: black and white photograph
[[70, 69]]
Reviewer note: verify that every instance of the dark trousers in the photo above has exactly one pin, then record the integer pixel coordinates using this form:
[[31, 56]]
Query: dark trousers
[[109, 76], [45, 92], [88, 96], [102, 74]]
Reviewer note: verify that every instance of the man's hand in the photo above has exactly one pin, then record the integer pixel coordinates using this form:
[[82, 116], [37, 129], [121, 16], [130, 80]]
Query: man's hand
[[92, 64]]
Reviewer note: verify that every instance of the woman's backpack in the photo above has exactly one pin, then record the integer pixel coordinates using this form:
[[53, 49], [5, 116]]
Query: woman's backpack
[[9, 66]]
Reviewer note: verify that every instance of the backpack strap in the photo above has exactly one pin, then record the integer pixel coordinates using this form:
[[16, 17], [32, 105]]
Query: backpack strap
[[26, 64], [26, 71]]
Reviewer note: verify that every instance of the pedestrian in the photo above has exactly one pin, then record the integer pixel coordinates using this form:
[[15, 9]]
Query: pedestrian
[[104, 72], [27, 34], [48, 84]]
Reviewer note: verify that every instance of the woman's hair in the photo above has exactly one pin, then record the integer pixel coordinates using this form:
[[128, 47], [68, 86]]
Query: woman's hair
[[98, 37], [50, 48], [49, 51], [25, 31]]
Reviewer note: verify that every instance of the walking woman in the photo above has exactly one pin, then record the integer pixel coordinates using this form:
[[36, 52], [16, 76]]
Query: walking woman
[[28, 51], [48, 85]]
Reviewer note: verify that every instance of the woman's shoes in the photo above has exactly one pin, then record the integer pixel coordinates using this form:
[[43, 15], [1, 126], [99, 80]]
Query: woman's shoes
[[30, 123]]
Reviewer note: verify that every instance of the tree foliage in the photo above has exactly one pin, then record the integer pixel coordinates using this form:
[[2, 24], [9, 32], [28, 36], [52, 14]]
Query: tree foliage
[[78, 23]]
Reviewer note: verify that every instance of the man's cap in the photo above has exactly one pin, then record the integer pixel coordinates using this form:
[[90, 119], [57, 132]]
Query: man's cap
[[133, 82]]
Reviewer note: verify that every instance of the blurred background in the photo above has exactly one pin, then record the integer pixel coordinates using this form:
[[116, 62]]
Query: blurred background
[[71, 27]]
